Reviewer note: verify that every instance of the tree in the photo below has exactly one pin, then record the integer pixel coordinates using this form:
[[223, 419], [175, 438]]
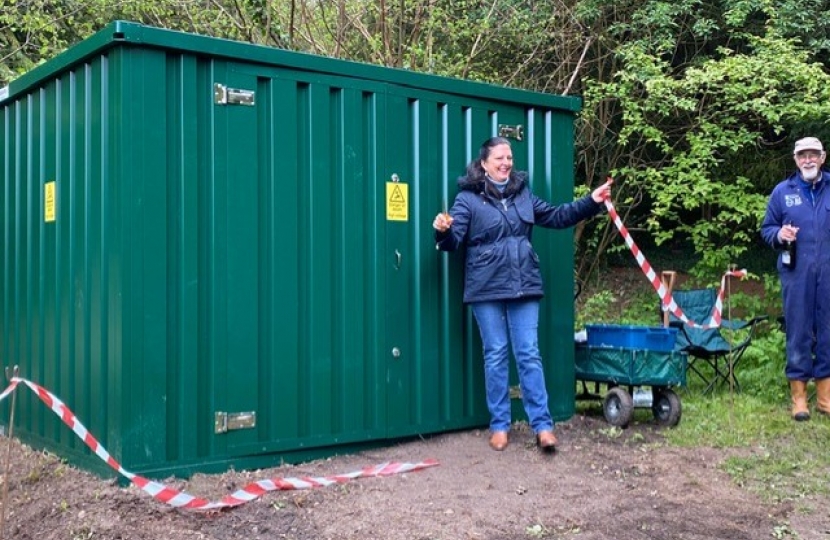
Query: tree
[[33, 31], [692, 105], [695, 99]]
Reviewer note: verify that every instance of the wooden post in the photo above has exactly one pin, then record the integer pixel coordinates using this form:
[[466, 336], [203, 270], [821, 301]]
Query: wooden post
[[732, 268], [667, 277]]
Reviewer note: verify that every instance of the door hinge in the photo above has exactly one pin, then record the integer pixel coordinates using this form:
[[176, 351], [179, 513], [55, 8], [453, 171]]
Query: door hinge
[[224, 422], [512, 132], [222, 95]]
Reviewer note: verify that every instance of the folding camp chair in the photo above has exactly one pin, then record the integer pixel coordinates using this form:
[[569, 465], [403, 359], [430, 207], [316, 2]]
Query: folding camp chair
[[711, 356]]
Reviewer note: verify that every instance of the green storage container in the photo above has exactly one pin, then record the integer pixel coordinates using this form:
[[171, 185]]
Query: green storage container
[[221, 254]]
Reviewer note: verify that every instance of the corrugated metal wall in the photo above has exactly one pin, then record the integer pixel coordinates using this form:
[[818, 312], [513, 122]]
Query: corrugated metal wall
[[240, 258]]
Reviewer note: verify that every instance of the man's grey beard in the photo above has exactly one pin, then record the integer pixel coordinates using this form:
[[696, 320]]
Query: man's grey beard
[[811, 175]]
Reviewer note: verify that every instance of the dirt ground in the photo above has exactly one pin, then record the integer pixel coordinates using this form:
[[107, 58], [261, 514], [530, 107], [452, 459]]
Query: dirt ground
[[602, 483]]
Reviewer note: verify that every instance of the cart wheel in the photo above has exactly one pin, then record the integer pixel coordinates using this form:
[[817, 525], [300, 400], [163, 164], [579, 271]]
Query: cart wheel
[[666, 407], [618, 407]]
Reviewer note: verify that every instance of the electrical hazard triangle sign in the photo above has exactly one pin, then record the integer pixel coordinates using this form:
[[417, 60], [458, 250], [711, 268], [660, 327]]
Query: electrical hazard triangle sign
[[397, 201]]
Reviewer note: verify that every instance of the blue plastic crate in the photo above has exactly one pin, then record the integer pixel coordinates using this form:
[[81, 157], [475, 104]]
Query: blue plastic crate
[[651, 338]]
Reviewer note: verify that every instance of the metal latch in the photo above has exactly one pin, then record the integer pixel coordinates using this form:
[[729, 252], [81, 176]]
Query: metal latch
[[222, 95], [224, 422], [512, 132]]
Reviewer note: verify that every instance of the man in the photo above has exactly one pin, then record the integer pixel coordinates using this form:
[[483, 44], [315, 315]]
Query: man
[[797, 215]]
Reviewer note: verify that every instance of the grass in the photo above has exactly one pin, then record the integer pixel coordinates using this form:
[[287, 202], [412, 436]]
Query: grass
[[775, 457], [781, 460], [769, 454]]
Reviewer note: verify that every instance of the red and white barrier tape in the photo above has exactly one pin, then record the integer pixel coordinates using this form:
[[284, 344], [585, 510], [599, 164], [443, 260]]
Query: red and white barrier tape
[[180, 499], [666, 298]]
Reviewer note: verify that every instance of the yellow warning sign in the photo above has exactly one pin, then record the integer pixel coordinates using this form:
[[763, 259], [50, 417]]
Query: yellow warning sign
[[397, 201], [49, 202]]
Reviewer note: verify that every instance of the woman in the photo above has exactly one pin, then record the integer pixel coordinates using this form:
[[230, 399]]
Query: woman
[[493, 217]]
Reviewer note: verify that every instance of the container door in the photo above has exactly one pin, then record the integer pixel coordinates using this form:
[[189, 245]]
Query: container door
[[234, 223], [431, 344], [537, 141], [512, 124], [542, 143], [294, 261], [398, 265]]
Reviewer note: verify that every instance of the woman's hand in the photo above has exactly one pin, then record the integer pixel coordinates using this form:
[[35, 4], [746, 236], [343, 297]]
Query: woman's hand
[[603, 192], [442, 222]]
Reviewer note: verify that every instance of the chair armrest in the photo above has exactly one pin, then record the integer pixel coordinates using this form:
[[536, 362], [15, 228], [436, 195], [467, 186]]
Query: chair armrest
[[751, 323], [681, 329], [738, 325]]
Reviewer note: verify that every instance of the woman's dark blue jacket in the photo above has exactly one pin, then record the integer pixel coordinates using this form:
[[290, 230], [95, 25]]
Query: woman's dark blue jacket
[[496, 230]]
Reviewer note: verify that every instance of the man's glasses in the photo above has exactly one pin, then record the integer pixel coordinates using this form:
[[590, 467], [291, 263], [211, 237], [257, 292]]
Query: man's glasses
[[808, 155]]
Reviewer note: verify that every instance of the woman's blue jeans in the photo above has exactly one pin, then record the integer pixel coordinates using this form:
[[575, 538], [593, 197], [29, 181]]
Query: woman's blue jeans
[[515, 323]]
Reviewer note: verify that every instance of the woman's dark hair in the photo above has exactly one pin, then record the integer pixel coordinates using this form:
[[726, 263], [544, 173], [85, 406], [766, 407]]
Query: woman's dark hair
[[475, 172], [487, 147]]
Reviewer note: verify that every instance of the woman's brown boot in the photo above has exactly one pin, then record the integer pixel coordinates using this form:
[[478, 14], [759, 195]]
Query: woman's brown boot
[[499, 440]]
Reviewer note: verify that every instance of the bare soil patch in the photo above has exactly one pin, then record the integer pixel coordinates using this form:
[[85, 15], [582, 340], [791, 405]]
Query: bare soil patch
[[601, 484]]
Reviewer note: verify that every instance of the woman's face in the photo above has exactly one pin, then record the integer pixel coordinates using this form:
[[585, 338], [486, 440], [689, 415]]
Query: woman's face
[[499, 163]]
